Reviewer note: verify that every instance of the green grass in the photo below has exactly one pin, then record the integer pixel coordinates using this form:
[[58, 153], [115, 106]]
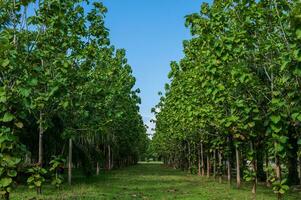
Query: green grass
[[147, 181]]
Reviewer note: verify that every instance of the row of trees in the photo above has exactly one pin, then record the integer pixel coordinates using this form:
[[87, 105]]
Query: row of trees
[[233, 105], [64, 90]]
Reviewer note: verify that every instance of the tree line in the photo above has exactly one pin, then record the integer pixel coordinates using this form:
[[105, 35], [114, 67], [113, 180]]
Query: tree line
[[232, 109], [66, 94]]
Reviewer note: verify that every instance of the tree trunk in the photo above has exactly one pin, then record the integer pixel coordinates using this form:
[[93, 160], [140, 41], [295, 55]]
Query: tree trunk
[[254, 188], [109, 157], [189, 157], [238, 181], [268, 184], [292, 164], [6, 196], [278, 167], [300, 169], [228, 170], [208, 164], [70, 162], [202, 159], [228, 162], [97, 168], [41, 132], [214, 163], [39, 190], [220, 172], [254, 169], [199, 162], [261, 174], [278, 172], [112, 160]]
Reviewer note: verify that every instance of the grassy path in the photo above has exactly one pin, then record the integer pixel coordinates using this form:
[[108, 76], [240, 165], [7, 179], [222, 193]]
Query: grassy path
[[147, 181]]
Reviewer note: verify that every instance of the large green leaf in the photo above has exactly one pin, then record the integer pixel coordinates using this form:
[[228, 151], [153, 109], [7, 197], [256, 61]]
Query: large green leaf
[[275, 118], [5, 63], [12, 173], [8, 117], [4, 182]]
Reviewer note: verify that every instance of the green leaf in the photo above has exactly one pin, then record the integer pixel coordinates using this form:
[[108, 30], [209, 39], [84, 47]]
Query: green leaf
[[19, 124], [12, 173], [281, 191], [295, 115], [279, 148], [33, 82], [38, 183], [4, 182], [221, 87], [7, 117], [299, 118], [283, 139], [25, 92], [275, 118], [5, 63], [30, 179], [298, 34], [65, 104], [276, 129], [251, 124]]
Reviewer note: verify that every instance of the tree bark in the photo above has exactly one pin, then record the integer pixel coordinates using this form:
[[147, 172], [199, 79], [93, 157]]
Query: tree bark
[[292, 164], [97, 168], [278, 172], [70, 162], [220, 172], [41, 132], [254, 169], [278, 167], [214, 163], [228, 170], [202, 159], [109, 157], [208, 164], [261, 174], [300, 169], [268, 184], [112, 159], [189, 157], [238, 181], [6, 196], [228, 162], [199, 162]]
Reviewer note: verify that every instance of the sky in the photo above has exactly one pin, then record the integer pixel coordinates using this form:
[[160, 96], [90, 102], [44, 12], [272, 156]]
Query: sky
[[152, 33]]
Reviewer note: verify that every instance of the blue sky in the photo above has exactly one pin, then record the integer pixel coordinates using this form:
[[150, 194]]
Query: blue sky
[[152, 32]]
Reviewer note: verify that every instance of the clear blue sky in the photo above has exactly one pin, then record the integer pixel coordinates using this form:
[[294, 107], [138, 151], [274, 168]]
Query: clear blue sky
[[152, 32]]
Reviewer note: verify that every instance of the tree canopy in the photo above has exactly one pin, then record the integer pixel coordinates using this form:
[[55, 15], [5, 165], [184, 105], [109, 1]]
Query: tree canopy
[[235, 96]]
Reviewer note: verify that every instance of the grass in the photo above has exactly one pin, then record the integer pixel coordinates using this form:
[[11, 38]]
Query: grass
[[147, 181]]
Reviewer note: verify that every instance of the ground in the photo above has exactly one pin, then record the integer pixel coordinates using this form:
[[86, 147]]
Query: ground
[[147, 181]]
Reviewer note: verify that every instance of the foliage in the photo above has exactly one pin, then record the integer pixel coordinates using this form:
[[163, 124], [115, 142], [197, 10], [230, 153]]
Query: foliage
[[56, 167], [36, 178], [61, 79], [8, 162], [235, 92]]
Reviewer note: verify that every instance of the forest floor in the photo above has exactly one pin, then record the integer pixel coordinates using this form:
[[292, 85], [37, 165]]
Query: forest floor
[[147, 181]]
